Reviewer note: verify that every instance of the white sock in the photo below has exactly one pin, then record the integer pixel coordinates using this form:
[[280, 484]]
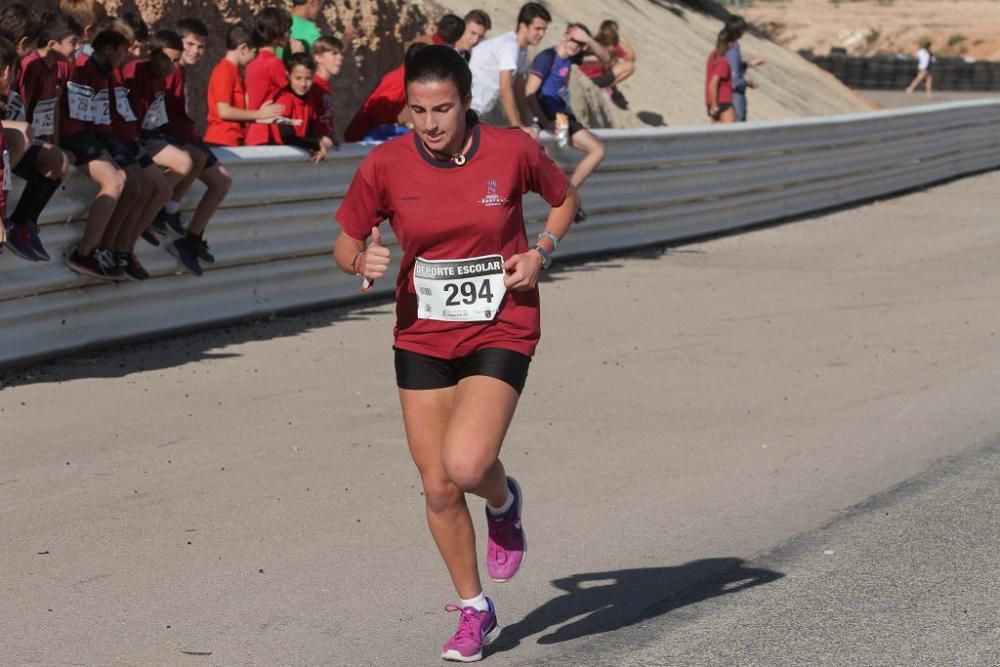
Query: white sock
[[478, 603], [503, 509], [172, 207]]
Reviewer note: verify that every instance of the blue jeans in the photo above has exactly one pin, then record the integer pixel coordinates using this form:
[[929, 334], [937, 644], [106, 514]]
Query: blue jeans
[[740, 106]]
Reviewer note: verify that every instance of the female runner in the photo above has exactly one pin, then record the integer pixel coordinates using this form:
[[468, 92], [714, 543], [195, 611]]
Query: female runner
[[467, 312]]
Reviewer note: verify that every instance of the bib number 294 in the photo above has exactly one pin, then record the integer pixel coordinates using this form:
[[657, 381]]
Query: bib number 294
[[459, 290]]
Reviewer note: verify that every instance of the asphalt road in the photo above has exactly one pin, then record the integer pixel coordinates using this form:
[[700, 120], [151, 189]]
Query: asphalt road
[[699, 428]]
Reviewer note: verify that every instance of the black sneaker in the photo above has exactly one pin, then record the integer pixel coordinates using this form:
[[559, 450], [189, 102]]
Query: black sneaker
[[581, 215], [87, 265], [111, 267], [19, 242], [159, 225], [176, 222], [36, 242], [131, 266], [201, 248], [149, 237], [183, 249]]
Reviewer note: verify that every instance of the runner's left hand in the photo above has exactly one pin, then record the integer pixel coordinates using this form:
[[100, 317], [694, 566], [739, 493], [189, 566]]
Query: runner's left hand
[[522, 271]]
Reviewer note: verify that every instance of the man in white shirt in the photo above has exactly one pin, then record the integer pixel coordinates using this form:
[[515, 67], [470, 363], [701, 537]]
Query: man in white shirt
[[496, 61]]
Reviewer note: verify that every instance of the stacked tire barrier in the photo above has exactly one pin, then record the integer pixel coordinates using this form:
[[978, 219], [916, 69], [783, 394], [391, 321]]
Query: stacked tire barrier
[[892, 73], [274, 234]]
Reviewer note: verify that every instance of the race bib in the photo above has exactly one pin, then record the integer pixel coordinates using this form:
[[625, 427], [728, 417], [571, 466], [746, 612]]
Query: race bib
[[459, 290], [15, 106], [156, 115], [122, 106], [79, 98], [44, 120], [6, 171], [100, 108]]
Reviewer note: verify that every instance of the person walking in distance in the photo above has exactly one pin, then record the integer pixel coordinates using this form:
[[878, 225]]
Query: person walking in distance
[[467, 310], [925, 63], [737, 26]]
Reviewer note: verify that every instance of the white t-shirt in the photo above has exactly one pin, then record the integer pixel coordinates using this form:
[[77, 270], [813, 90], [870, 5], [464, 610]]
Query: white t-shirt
[[924, 59], [489, 58]]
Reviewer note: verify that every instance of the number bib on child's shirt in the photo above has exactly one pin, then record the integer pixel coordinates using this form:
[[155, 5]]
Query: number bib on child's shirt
[[80, 97], [122, 105], [15, 107], [100, 108], [156, 115], [459, 290], [44, 121]]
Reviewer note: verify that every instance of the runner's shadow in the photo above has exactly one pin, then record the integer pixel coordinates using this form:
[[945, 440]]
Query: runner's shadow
[[607, 601]]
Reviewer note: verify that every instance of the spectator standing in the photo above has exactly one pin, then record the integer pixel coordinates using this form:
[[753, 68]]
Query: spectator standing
[[737, 26], [925, 64], [719, 81], [477, 24], [265, 75], [621, 66], [306, 130], [227, 103], [304, 28], [328, 52], [548, 89], [498, 60]]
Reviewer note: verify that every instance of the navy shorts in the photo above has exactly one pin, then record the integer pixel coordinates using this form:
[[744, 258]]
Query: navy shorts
[[421, 371], [154, 142], [139, 154], [84, 146], [118, 151], [574, 125]]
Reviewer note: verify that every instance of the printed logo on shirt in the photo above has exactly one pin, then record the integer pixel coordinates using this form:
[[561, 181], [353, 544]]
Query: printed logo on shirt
[[492, 199]]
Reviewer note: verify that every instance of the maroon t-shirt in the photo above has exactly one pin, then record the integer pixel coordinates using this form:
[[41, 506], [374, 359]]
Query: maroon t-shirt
[[145, 92], [86, 104], [719, 65], [179, 124], [439, 210]]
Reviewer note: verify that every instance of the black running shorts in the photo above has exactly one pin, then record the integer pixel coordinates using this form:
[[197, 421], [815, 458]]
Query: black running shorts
[[421, 371], [84, 146]]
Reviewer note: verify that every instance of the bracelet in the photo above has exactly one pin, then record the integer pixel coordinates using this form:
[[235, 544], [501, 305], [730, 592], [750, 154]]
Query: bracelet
[[552, 237], [354, 263]]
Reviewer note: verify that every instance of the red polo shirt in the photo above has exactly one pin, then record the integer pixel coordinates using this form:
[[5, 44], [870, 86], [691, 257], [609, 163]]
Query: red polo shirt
[[439, 210], [265, 77], [225, 85], [382, 107]]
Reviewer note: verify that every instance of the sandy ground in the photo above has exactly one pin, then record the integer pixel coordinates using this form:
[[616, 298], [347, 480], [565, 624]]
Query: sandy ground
[[896, 99], [243, 496], [864, 27]]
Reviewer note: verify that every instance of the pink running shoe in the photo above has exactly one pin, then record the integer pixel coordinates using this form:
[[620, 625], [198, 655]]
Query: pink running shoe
[[476, 629], [506, 545]]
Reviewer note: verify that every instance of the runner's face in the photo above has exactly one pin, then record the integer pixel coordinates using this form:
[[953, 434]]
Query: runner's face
[[300, 79], [474, 33], [438, 114], [194, 49]]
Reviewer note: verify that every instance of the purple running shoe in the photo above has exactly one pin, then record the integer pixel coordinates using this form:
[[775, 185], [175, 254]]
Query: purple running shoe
[[476, 629], [506, 545]]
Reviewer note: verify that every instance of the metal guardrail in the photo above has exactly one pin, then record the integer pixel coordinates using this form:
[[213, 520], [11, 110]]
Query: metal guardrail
[[274, 234]]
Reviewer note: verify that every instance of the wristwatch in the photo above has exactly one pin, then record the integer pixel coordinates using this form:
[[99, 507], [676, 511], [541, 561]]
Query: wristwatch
[[546, 256]]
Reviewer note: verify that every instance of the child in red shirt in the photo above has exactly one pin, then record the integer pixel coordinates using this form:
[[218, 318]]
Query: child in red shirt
[[328, 52], [265, 75], [227, 100], [719, 82], [305, 130]]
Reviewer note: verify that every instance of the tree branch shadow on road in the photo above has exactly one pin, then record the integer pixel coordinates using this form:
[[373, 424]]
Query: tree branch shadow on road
[[608, 601]]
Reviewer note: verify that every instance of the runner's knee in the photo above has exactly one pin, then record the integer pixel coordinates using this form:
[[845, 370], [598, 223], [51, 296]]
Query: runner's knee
[[440, 494], [465, 473]]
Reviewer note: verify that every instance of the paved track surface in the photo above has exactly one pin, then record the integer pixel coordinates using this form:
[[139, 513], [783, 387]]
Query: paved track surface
[[244, 496], [892, 99]]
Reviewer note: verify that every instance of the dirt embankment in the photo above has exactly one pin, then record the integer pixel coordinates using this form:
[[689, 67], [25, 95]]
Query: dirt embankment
[[970, 28]]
